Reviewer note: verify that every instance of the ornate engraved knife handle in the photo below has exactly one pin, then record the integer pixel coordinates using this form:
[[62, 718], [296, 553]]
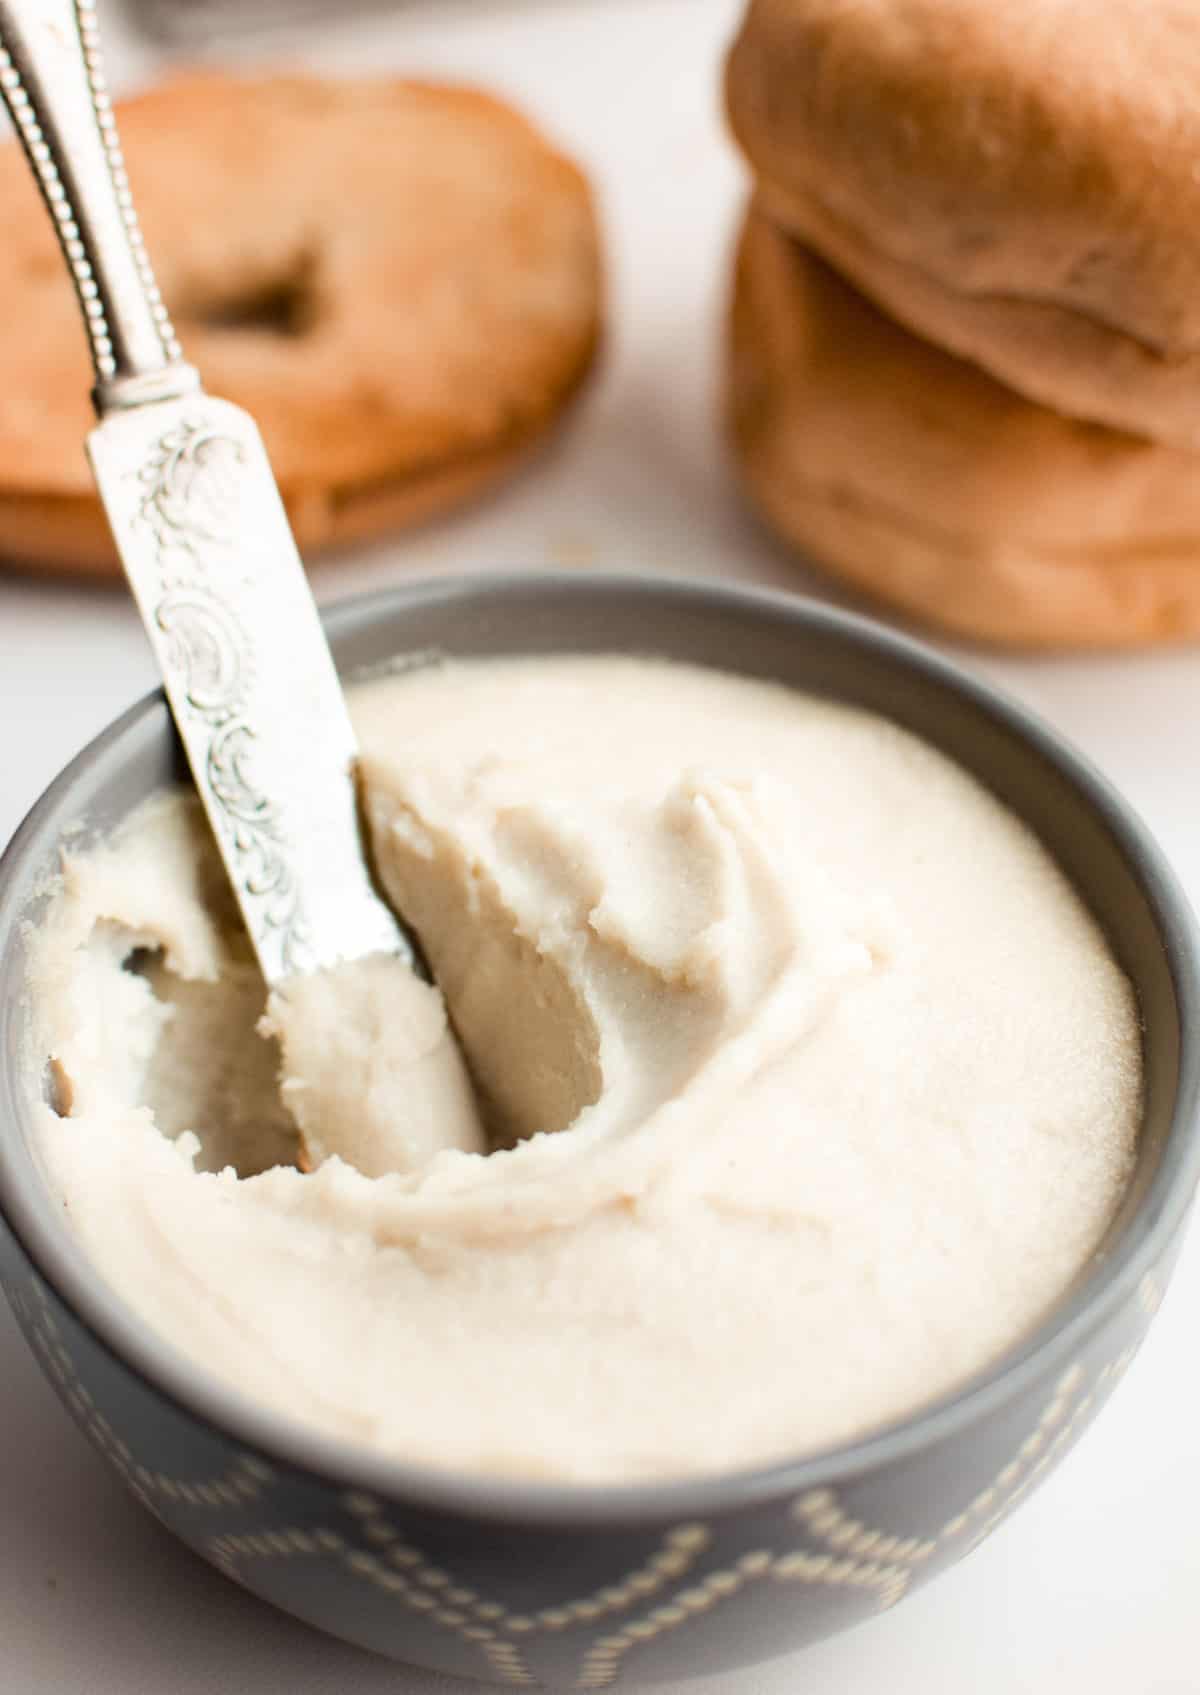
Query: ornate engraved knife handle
[[52, 81]]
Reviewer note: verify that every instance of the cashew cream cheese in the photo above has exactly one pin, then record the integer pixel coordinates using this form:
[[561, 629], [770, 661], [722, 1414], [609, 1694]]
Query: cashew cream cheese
[[776, 1082]]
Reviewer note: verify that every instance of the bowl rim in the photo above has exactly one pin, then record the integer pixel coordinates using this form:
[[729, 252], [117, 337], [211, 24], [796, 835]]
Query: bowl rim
[[1105, 1287]]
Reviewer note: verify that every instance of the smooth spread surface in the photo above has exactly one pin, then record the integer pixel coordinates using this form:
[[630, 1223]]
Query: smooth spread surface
[[840, 1082]]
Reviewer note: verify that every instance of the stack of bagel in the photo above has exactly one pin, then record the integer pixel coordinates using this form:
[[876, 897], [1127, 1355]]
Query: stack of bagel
[[965, 336]]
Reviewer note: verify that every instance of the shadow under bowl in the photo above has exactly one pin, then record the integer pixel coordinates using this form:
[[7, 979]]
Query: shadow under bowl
[[585, 1587]]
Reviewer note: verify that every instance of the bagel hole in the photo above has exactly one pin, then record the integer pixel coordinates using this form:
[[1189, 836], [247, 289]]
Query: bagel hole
[[281, 303]]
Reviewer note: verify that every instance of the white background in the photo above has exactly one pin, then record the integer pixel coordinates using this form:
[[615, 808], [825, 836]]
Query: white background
[[1095, 1584]]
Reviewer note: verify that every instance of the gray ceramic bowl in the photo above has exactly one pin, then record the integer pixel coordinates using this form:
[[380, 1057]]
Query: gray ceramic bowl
[[575, 1587]]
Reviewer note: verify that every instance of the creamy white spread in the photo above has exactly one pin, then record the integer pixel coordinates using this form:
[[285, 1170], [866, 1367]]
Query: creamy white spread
[[801, 1082]]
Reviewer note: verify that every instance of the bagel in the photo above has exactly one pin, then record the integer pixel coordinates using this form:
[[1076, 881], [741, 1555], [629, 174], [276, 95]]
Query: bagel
[[1016, 183], [927, 484], [400, 281]]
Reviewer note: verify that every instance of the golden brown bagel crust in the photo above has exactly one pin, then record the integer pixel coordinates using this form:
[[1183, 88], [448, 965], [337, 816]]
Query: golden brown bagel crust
[[70, 537], [400, 281], [1017, 182], [920, 479]]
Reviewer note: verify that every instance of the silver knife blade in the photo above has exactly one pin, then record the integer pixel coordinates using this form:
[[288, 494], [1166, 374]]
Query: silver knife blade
[[206, 546]]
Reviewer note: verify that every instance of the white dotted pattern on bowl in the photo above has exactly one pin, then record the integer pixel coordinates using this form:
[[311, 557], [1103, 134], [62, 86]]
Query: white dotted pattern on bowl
[[840, 1551]]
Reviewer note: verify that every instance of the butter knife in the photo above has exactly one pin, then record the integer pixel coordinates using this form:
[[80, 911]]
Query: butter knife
[[202, 534]]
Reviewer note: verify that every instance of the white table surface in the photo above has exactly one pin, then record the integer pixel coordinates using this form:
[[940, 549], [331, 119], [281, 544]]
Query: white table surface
[[1092, 1586]]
